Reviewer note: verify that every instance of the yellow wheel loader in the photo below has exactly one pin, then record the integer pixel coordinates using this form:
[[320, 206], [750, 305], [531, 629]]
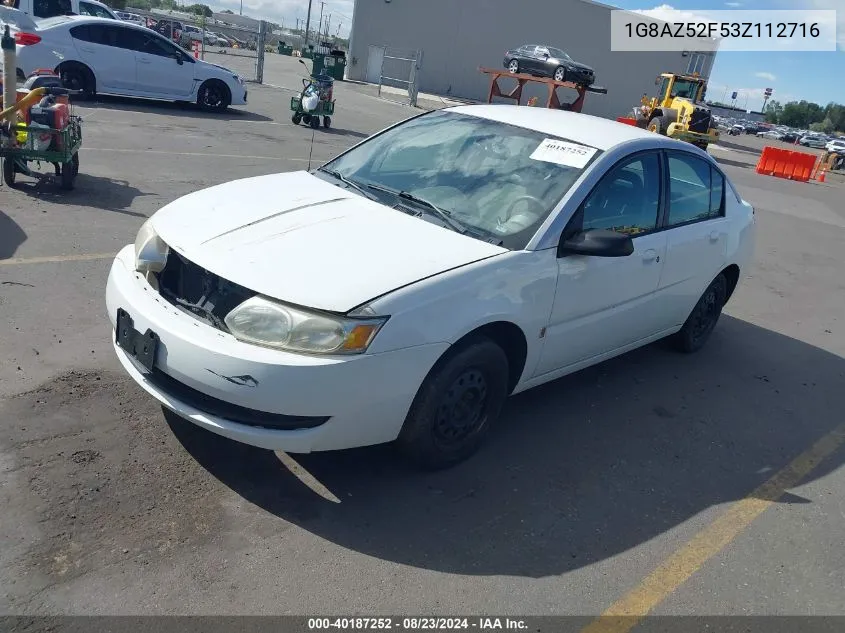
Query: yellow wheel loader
[[679, 110]]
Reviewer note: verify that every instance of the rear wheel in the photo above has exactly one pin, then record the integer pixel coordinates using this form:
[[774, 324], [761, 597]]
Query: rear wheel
[[75, 76], [513, 66], [657, 124], [296, 118], [327, 122], [315, 122], [560, 74], [703, 318], [456, 405]]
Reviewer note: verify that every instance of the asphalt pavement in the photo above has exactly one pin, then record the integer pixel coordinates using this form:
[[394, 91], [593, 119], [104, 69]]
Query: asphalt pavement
[[639, 484]]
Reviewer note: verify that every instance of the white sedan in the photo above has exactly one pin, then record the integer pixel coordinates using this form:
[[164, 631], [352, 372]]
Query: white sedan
[[96, 55], [403, 290]]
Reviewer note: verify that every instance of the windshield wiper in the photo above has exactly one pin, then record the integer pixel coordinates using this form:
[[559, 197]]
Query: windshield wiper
[[345, 181], [441, 213]]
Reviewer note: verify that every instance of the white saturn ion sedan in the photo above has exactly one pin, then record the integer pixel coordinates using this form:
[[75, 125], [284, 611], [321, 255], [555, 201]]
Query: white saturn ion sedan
[[403, 290]]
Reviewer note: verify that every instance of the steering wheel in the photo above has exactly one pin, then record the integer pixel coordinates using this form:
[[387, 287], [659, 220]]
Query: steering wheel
[[528, 217]]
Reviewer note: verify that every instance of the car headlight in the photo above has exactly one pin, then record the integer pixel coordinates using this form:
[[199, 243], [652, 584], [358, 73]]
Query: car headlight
[[271, 324], [150, 250]]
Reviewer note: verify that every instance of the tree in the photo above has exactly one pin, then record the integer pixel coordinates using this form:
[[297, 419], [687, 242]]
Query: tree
[[200, 9], [774, 110]]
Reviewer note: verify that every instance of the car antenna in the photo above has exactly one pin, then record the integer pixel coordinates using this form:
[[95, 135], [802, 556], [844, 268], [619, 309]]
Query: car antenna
[[311, 149]]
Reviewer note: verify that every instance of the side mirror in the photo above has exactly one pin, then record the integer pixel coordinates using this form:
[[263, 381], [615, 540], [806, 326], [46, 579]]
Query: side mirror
[[598, 243], [178, 58]]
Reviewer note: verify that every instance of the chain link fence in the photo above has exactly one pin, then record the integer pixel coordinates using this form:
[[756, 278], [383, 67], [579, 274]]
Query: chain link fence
[[239, 48]]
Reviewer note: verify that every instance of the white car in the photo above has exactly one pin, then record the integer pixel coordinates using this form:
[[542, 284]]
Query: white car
[[811, 140], [95, 55], [403, 290], [836, 145], [52, 8]]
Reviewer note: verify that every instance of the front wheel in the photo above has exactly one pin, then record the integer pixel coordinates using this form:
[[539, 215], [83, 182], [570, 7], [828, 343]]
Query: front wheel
[[69, 172], [315, 122], [214, 96], [703, 318], [296, 118], [9, 172], [456, 405], [560, 74], [327, 122]]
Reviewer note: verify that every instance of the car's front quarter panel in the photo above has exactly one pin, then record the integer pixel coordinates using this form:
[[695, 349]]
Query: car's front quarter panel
[[516, 287], [204, 71]]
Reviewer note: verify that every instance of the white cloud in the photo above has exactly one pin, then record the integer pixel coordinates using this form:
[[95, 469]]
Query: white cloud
[[733, 5], [821, 5], [768, 76]]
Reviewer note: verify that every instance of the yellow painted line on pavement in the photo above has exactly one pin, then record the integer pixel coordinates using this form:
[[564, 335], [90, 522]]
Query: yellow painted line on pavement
[[20, 261], [624, 614]]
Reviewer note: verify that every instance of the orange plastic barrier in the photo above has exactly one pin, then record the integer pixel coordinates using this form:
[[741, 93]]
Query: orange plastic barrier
[[783, 163], [627, 120]]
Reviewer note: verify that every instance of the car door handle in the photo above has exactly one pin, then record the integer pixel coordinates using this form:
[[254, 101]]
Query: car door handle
[[85, 49], [714, 236], [651, 256], [144, 60]]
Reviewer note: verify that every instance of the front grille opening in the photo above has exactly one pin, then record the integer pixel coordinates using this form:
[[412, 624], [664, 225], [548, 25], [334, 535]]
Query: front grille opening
[[198, 292]]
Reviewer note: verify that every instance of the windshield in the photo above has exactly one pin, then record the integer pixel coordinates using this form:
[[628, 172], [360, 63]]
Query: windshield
[[497, 180], [684, 89]]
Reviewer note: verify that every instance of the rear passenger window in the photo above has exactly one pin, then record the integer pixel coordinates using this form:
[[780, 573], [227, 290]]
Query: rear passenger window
[[696, 190]]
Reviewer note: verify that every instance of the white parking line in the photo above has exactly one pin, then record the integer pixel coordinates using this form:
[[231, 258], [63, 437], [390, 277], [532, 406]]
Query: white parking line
[[17, 261]]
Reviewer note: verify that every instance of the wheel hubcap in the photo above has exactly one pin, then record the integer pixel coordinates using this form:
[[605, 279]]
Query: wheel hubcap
[[462, 408], [513, 67], [212, 97], [559, 75]]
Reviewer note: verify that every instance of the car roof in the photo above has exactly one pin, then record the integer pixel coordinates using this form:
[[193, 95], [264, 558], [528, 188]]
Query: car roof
[[580, 128]]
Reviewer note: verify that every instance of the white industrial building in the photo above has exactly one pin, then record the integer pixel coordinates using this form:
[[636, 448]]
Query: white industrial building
[[454, 37]]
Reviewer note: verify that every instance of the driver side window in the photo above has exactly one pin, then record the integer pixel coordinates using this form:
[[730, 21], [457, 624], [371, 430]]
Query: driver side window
[[627, 199]]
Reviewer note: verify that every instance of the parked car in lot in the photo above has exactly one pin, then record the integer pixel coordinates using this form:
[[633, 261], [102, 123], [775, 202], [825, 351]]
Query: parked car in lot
[[813, 140], [548, 61], [170, 29], [836, 145], [215, 39], [192, 33], [736, 130], [131, 17], [114, 57], [52, 8], [484, 250]]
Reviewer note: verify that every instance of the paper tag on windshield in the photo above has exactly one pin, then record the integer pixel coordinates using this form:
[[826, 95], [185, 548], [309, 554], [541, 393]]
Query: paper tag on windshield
[[563, 153]]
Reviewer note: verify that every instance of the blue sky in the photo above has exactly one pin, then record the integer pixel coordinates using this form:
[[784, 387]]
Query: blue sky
[[814, 76]]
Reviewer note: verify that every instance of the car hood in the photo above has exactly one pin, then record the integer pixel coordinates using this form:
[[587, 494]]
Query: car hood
[[580, 66], [299, 239]]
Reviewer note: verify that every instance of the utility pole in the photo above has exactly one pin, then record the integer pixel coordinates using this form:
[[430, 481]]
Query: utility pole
[[328, 25], [320, 29], [242, 7], [307, 24]]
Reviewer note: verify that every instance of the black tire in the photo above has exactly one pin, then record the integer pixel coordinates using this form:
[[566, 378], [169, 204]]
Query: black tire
[[306, 119], [9, 173], [69, 171], [296, 118], [214, 96], [76, 76], [456, 405], [513, 66], [703, 318], [658, 124], [559, 74], [314, 122], [327, 122]]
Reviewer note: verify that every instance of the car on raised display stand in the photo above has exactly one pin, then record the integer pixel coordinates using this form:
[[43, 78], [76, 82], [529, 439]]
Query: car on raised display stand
[[548, 61]]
